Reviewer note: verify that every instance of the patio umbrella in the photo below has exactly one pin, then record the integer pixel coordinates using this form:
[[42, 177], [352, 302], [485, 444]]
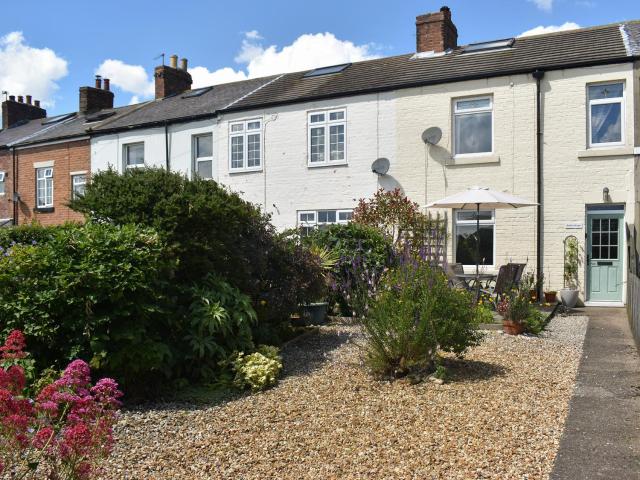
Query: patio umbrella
[[476, 198]]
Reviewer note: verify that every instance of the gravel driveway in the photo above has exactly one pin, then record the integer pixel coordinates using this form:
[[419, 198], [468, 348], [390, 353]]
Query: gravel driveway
[[500, 416]]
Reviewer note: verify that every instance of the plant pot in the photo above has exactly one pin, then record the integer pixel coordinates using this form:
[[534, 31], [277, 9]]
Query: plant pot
[[569, 297], [512, 328], [533, 295], [315, 313], [550, 297]]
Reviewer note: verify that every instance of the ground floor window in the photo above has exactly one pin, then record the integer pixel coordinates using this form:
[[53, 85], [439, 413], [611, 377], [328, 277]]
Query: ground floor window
[[466, 236], [309, 220]]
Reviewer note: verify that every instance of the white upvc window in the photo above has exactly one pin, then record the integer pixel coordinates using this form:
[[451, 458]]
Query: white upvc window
[[78, 185], [245, 146], [466, 237], [606, 114], [3, 176], [133, 154], [473, 126], [203, 155], [44, 187], [309, 220], [327, 137]]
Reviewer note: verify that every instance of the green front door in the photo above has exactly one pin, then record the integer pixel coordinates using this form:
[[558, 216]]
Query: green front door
[[604, 255]]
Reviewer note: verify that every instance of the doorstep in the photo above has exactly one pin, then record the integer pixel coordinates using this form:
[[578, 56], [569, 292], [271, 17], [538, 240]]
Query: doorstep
[[604, 304]]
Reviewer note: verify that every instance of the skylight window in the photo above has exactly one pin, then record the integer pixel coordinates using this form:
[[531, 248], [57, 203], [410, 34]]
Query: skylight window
[[493, 45], [197, 92], [59, 118], [96, 117], [327, 70]]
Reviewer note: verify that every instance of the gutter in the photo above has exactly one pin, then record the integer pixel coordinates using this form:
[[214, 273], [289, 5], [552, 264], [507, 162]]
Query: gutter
[[539, 75]]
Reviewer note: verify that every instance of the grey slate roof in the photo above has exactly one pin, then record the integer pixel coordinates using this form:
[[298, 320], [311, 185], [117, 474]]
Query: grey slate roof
[[15, 134], [176, 107], [550, 51], [573, 48]]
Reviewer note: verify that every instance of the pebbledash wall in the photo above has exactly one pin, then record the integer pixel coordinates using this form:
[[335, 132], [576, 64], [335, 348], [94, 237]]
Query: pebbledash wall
[[66, 158], [390, 125]]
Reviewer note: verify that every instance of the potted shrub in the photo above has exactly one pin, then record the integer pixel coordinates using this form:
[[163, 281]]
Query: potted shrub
[[515, 308], [569, 294], [550, 295], [315, 313]]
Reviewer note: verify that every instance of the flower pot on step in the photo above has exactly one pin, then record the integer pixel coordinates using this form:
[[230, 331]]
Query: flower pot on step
[[569, 297], [512, 328], [550, 297]]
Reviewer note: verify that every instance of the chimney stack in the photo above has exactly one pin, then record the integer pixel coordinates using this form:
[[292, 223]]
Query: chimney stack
[[95, 98], [15, 112], [171, 80], [435, 32], [106, 84]]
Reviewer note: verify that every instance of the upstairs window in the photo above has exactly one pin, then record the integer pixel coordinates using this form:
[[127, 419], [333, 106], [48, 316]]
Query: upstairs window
[[44, 187], [473, 126], [203, 155], [3, 175], [606, 122], [327, 134], [245, 145], [134, 155]]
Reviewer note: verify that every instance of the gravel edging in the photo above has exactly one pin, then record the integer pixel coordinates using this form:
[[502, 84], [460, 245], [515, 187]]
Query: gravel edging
[[499, 416]]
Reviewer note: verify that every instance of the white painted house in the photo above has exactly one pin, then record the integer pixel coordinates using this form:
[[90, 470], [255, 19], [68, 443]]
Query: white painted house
[[552, 118]]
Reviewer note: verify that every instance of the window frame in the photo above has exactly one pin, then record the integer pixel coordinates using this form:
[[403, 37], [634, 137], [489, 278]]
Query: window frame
[[473, 223], [196, 158], [315, 223], [244, 134], [606, 101], [455, 113], [45, 205], [74, 195], [3, 178], [125, 155], [326, 124]]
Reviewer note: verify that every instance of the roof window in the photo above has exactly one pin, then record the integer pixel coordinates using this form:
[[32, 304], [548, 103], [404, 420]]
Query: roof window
[[327, 70], [59, 118], [486, 46], [197, 92]]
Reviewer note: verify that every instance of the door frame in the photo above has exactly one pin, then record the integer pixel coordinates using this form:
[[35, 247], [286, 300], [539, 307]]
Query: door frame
[[612, 209]]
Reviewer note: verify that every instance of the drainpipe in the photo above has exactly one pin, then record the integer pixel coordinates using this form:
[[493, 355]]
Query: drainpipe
[[538, 75], [166, 146], [15, 185]]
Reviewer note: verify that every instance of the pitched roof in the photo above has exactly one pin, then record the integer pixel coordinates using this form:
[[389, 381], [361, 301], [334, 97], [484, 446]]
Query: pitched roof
[[181, 106], [20, 131], [594, 45]]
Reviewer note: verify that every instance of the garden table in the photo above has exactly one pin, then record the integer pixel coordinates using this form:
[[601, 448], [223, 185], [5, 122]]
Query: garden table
[[483, 278]]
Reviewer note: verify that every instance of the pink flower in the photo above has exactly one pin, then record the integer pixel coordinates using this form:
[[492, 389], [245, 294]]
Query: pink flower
[[13, 347]]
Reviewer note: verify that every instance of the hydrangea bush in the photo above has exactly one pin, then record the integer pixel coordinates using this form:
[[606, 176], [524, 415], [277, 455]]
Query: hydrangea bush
[[259, 370], [64, 431]]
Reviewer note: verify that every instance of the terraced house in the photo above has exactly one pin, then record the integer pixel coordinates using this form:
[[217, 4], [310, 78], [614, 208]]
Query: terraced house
[[553, 118]]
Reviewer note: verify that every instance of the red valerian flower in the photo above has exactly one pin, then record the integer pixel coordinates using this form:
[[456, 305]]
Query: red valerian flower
[[14, 346]]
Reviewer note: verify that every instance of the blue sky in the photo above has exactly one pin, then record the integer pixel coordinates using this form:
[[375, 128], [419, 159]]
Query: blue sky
[[50, 48]]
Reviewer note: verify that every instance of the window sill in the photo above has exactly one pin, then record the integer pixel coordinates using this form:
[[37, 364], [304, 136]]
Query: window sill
[[327, 164], [605, 152], [44, 209], [244, 170], [473, 160]]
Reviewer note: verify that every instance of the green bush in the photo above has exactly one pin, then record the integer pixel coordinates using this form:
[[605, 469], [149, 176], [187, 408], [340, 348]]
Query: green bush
[[415, 314], [26, 234], [93, 292], [210, 230], [259, 370]]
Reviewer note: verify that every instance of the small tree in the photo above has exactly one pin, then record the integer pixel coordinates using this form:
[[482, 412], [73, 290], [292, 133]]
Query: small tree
[[571, 262]]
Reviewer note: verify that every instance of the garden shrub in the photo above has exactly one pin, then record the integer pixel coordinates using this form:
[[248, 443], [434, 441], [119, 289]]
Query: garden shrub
[[93, 291], [26, 234], [258, 370], [414, 316]]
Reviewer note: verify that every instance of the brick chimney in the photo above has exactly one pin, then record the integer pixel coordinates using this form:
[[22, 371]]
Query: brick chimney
[[170, 79], [96, 98], [15, 112], [435, 32]]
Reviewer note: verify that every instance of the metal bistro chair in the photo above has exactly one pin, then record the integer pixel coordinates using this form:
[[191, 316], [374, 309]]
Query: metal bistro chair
[[518, 273], [452, 271], [504, 281]]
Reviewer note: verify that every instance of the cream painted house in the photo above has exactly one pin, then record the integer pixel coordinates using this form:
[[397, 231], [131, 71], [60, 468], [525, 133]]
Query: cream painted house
[[551, 118]]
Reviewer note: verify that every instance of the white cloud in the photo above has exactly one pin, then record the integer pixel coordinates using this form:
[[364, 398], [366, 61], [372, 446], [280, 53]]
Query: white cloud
[[128, 78], [546, 5], [26, 70], [306, 52], [550, 29]]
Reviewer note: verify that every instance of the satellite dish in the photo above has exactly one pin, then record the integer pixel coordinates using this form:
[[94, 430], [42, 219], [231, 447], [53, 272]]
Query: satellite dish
[[432, 135], [380, 166]]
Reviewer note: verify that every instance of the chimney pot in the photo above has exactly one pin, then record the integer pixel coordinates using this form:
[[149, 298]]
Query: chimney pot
[[29, 99], [173, 61], [20, 99], [12, 98], [36, 103], [436, 31], [106, 85], [183, 64], [98, 81]]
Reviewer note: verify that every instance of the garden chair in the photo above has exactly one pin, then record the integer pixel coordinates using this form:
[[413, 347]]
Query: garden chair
[[518, 273], [504, 282], [451, 271]]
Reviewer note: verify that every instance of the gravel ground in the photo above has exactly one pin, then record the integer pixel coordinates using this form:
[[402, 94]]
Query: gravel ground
[[500, 415]]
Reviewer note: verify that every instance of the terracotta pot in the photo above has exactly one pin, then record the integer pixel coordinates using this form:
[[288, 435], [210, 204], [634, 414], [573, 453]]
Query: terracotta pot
[[512, 328], [550, 297], [533, 295]]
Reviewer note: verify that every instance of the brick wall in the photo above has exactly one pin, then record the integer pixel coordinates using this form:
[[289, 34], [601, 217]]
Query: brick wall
[[6, 207], [66, 158]]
